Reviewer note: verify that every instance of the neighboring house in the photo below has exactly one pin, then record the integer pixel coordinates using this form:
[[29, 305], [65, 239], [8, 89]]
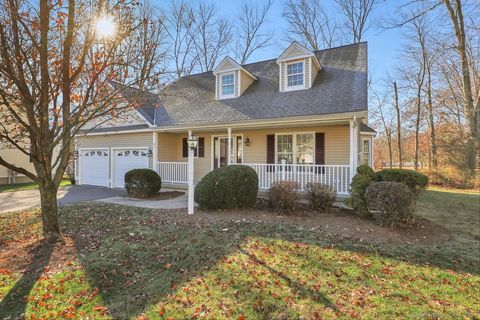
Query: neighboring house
[[300, 117], [19, 159]]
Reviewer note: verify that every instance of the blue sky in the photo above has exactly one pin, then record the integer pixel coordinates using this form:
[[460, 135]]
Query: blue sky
[[383, 45]]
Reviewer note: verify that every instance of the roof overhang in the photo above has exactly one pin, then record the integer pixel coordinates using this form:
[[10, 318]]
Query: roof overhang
[[235, 66], [304, 53], [312, 120]]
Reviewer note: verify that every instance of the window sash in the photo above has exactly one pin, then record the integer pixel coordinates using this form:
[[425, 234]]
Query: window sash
[[294, 147], [227, 86], [295, 74]]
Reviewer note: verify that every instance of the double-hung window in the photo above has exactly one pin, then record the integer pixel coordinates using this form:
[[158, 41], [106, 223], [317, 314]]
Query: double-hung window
[[296, 148], [295, 74], [227, 85], [366, 152]]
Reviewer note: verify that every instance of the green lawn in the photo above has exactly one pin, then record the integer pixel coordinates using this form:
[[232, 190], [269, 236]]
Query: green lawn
[[135, 263], [27, 186]]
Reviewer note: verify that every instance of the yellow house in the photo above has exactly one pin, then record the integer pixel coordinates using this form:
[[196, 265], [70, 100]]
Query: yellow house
[[302, 116]]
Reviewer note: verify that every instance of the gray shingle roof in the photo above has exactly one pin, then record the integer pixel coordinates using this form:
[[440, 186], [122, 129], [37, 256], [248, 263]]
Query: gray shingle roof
[[366, 128], [117, 128], [340, 87]]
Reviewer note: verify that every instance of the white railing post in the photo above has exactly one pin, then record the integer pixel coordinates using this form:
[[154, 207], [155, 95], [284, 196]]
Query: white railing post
[[283, 169], [190, 177], [229, 147]]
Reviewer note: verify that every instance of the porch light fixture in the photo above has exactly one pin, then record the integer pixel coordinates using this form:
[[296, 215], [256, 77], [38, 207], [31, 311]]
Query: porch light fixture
[[247, 141], [192, 142]]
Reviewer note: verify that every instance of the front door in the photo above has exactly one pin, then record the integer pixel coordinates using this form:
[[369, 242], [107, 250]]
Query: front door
[[220, 145]]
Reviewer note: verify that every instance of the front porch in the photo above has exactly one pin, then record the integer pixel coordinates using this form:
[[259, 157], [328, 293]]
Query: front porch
[[327, 153]]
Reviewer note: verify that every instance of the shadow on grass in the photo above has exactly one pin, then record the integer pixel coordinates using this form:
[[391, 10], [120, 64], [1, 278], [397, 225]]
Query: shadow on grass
[[137, 257], [303, 291], [14, 304]]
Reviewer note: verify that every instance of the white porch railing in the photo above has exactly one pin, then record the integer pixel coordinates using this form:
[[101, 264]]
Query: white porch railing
[[335, 176], [173, 172]]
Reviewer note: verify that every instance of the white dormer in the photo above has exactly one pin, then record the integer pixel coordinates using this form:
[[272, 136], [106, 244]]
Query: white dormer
[[298, 68], [231, 79]]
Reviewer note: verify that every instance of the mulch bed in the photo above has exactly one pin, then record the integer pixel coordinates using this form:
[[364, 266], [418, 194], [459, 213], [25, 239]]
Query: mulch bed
[[165, 195], [336, 222]]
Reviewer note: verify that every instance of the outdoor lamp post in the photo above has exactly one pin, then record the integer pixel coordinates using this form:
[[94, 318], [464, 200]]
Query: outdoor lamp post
[[192, 143]]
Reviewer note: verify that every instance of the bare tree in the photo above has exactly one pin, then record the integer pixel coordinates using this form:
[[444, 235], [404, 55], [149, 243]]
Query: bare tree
[[357, 13], [251, 37], [381, 104], [416, 55], [148, 42], [210, 34], [181, 44], [399, 125], [455, 12], [54, 79], [310, 24]]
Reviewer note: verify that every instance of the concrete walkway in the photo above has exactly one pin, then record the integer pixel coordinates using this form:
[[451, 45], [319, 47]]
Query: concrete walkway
[[28, 199], [175, 203]]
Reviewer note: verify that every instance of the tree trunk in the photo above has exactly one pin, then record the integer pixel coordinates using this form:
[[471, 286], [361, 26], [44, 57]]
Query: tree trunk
[[49, 206], [458, 24], [390, 152], [433, 138], [399, 126]]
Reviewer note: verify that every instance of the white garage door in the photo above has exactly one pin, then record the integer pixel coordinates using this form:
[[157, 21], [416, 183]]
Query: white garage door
[[125, 160], [94, 167]]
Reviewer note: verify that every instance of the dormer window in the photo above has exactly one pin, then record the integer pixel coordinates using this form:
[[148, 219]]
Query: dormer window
[[295, 74], [297, 68], [228, 85], [231, 79]]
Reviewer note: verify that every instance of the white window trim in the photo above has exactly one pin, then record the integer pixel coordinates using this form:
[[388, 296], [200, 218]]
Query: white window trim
[[294, 144], [362, 152], [226, 96], [297, 87]]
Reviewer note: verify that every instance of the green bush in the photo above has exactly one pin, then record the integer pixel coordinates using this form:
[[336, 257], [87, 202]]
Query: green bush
[[321, 197], [416, 181], [142, 183], [228, 187], [390, 203], [284, 196], [360, 182]]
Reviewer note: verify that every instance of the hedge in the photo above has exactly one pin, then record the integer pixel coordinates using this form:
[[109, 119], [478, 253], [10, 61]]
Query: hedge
[[142, 183], [228, 187]]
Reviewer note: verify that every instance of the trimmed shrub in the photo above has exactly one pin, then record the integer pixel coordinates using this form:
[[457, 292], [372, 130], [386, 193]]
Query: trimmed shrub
[[360, 182], [416, 181], [284, 196], [142, 183], [365, 170], [390, 203], [228, 187], [321, 197]]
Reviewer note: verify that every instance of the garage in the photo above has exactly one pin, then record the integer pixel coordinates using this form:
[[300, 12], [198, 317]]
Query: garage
[[94, 167], [125, 160]]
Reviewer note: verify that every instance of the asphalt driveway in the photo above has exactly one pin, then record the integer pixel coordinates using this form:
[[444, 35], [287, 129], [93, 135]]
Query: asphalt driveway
[[19, 200]]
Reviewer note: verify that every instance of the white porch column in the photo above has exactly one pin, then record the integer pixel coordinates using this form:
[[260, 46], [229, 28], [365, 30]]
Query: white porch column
[[229, 147], [353, 147], [191, 201], [154, 150]]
